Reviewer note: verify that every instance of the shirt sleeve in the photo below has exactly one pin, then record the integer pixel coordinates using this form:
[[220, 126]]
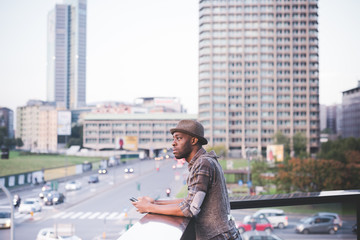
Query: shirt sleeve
[[199, 180]]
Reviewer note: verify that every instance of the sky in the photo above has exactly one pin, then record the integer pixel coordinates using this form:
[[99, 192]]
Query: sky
[[150, 48]]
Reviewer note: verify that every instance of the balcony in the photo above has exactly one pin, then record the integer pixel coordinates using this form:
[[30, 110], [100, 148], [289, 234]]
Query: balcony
[[154, 226]]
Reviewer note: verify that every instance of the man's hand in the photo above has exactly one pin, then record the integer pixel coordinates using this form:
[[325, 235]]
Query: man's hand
[[143, 204]]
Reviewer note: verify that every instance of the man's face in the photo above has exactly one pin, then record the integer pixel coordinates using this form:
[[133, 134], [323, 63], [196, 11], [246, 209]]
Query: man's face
[[181, 145]]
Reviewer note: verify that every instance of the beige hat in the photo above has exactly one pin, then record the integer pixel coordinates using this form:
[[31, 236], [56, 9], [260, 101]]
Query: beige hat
[[192, 128]]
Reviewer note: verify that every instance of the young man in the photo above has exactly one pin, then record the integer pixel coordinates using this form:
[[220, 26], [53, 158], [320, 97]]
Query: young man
[[207, 200]]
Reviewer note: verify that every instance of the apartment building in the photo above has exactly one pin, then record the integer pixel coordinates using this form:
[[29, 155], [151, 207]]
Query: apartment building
[[258, 72], [351, 113], [150, 131]]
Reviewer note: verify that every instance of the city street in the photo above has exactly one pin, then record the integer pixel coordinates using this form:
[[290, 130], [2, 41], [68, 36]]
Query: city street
[[101, 209]]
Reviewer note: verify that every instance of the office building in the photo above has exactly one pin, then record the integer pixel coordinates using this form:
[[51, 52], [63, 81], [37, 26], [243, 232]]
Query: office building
[[66, 60], [7, 121], [258, 72], [351, 113]]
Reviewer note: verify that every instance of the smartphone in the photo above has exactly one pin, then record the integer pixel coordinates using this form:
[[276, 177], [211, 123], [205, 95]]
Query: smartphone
[[133, 199]]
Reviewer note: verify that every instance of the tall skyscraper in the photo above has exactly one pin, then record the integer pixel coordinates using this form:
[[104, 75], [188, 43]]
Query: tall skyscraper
[[66, 60], [258, 72]]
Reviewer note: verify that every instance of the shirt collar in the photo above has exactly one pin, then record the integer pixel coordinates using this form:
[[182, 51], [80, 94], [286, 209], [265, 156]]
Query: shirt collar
[[196, 156]]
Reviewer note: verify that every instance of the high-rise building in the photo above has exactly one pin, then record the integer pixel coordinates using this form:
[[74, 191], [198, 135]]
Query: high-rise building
[[258, 72], [351, 113], [66, 60], [7, 121]]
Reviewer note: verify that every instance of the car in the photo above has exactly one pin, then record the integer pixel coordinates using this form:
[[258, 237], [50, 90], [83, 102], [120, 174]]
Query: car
[[30, 205], [256, 235], [53, 198], [102, 171], [93, 179], [129, 170], [335, 216], [354, 228], [73, 185], [51, 234], [317, 224], [42, 194], [260, 224], [276, 217], [47, 186], [5, 218]]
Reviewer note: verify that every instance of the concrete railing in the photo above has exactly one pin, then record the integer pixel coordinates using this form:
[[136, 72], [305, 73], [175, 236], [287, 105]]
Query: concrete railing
[[155, 226]]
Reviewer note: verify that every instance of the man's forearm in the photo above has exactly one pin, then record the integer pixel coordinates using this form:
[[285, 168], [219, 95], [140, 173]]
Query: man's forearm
[[166, 209], [166, 202]]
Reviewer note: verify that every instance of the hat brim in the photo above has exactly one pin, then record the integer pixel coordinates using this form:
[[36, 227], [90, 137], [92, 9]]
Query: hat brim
[[202, 140]]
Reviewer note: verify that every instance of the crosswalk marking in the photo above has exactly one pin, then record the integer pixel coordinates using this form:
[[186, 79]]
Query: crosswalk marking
[[85, 215], [67, 215], [58, 215], [94, 215], [102, 216], [76, 215], [112, 216]]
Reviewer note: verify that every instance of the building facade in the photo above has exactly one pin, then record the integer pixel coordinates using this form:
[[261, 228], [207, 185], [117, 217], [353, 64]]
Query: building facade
[[7, 121], [66, 60], [39, 126], [258, 72], [151, 131], [351, 113]]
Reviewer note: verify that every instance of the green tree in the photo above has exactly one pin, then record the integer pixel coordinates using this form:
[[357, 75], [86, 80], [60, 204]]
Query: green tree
[[299, 142], [76, 138], [19, 142], [280, 138], [257, 169], [220, 150]]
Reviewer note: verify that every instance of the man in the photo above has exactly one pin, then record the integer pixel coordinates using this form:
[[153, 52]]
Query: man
[[207, 200]]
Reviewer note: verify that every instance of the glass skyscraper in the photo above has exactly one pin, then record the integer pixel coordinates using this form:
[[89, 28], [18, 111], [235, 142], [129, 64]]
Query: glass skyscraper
[[66, 60], [258, 72]]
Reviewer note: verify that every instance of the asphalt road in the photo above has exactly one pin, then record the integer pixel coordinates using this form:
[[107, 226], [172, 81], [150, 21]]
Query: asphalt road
[[102, 209]]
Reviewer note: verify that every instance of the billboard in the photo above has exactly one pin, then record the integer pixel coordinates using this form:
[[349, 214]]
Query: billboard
[[127, 143], [275, 153], [64, 123]]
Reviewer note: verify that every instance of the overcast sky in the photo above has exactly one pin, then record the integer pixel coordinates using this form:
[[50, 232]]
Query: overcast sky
[[150, 48]]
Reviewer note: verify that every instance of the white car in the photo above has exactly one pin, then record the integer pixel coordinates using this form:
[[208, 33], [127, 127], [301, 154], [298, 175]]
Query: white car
[[51, 234], [73, 185], [5, 218], [30, 205], [276, 217]]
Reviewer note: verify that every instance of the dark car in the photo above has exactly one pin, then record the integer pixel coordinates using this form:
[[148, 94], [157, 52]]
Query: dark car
[[102, 171], [42, 194], [54, 197], [93, 179], [317, 224]]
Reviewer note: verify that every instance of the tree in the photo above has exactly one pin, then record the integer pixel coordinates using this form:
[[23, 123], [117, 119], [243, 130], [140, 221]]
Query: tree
[[76, 138], [299, 142], [280, 138], [19, 142], [257, 169], [220, 150]]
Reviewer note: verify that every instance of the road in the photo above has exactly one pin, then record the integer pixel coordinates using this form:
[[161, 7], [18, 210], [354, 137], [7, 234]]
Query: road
[[101, 209], [104, 210]]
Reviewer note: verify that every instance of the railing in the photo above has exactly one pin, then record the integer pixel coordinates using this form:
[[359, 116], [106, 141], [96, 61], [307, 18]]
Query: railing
[[154, 226]]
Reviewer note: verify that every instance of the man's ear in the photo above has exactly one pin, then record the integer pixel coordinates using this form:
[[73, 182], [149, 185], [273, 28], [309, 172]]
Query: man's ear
[[194, 140]]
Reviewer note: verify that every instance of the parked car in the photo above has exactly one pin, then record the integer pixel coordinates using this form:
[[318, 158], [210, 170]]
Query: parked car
[[335, 216], [42, 194], [54, 197], [316, 224], [276, 217], [256, 235], [93, 179], [251, 223], [5, 218], [102, 171], [129, 170], [51, 234], [73, 185], [30, 205]]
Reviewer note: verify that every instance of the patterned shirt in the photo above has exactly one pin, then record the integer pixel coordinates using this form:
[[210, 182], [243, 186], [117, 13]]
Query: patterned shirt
[[206, 175]]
